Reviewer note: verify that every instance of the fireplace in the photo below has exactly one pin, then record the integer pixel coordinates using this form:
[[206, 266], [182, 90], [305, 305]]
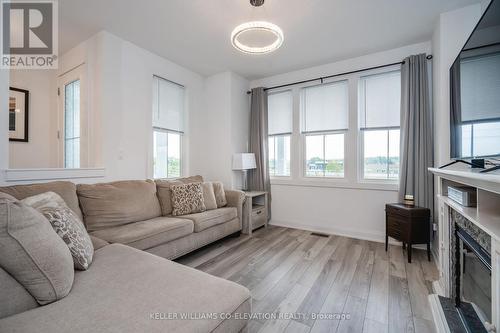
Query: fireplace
[[472, 281], [469, 306]]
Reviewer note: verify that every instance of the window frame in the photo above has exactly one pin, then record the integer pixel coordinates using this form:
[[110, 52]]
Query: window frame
[[324, 134], [276, 176], [181, 149], [360, 96], [361, 158], [302, 133], [353, 154], [289, 134], [161, 129]]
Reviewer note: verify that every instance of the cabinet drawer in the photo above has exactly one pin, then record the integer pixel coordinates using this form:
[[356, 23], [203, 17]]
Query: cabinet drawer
[[259, 217], [397, 228]]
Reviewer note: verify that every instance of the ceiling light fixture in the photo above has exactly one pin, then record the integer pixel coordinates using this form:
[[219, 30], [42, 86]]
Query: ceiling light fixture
[[257, 26]]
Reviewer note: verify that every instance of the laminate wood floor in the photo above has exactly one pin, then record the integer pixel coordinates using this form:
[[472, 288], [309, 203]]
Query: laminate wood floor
[[297, 274]]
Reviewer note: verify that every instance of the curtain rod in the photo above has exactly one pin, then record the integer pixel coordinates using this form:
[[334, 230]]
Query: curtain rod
[[334, 75]]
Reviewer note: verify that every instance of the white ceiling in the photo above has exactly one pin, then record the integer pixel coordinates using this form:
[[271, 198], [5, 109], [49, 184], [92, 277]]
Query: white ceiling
[[196, 33]]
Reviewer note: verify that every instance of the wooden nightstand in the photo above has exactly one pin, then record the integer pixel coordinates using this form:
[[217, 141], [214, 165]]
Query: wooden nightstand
[[254, 211], [408, 224]]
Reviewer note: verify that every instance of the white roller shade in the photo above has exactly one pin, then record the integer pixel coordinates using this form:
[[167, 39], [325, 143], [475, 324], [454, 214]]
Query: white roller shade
[[380, 100], [168, 105], [480, 87], [279, 111], [325, 107]]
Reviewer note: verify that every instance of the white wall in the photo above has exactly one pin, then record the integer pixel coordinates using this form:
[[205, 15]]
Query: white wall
[[120, 78], [347, 207], [38, 152], [221, 128]]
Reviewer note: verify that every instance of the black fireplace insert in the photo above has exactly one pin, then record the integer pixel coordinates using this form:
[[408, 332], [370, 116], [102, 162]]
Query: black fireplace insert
[[472, 281]]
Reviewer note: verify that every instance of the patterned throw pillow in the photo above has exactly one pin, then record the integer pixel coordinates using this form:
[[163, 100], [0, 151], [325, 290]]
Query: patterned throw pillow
[[67, 225], [187, 199]]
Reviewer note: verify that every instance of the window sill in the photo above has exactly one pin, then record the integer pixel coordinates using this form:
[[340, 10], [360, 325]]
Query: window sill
[[22, 175], [336, 183]]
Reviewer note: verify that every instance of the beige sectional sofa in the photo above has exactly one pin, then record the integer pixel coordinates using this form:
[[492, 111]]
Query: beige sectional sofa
[[126, 289]]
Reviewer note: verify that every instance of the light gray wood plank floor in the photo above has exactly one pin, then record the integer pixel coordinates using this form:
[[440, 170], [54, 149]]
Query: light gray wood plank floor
[[291, 271]]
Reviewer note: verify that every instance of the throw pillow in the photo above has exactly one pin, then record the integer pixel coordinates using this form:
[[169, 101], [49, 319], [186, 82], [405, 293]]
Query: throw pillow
[[220, 195], [32, 252], [209, 196], [187, 199], [165, 195], [67, 225]]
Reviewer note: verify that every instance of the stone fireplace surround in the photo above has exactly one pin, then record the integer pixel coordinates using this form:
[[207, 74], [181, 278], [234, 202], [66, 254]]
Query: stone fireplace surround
[[477, 234], [482, 223]]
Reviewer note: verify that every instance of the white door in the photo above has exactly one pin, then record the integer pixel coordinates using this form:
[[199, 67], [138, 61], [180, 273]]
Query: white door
[[72, 120]]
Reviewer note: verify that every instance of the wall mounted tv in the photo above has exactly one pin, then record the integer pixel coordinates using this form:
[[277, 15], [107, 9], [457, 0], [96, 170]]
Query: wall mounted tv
[[475, 91]]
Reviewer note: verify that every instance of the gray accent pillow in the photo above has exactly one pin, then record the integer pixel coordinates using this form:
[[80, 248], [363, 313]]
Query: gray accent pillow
[[187, 199], [67, 225], [209, 196], [32, 253], [220, 195]]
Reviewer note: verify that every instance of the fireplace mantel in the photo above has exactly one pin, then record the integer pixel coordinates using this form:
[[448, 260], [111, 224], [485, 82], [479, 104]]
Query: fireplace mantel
[[486, 216]]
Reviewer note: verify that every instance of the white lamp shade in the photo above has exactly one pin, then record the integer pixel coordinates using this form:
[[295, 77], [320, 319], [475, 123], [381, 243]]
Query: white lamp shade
[[244, 161]]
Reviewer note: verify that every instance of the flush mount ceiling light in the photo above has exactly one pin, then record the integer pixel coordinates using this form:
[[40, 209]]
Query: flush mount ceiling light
[[257, 37]]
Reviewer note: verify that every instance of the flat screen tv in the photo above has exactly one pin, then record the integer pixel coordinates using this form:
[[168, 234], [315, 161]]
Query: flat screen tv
[[475, 91]]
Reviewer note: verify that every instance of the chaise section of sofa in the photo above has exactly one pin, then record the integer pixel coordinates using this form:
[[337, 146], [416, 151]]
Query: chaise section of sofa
[[127, 290]]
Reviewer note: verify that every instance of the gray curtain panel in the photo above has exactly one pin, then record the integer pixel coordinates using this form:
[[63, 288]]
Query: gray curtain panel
[[258, 179], [416, 133]]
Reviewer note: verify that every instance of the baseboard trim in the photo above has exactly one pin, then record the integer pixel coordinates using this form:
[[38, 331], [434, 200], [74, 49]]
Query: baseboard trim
[[374, 237]]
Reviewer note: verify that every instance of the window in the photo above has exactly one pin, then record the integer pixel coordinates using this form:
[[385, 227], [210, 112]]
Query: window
[[325, 155], [72, 125], [325, 114], [279, 130], [379, 104], [168, 126]]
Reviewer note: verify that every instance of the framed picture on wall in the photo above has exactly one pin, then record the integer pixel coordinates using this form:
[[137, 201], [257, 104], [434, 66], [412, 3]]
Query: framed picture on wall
[[18, 114]]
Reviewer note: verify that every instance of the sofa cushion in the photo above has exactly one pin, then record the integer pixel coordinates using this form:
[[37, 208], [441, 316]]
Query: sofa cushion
[[165, 194], [113, 204], [146, 234], [127, 290], [211, 218], [32, 253], [220, 195], [13, 297], [209, 195], [66, 224], [187, 199], [66, 190]]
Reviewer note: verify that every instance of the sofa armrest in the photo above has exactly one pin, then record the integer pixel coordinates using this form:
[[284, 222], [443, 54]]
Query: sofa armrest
[[97, 242], [236, 199]]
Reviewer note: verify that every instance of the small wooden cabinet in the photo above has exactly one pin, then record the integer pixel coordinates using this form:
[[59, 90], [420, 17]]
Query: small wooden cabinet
[[254, 211], [408, 224]]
